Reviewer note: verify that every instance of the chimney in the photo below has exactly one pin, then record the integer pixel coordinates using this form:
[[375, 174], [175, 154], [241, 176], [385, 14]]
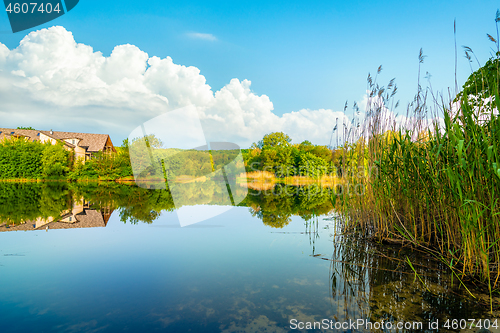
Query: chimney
[[51, 132]]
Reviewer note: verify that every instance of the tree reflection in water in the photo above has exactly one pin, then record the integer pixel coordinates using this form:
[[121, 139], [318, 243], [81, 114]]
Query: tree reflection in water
[[31, 201], [367, 280], [276, 206]]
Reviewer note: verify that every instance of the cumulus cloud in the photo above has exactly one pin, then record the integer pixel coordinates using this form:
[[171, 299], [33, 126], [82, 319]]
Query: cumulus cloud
[[199, 35], [51, 81]]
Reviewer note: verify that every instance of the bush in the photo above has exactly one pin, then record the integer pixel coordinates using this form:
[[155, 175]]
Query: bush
[[20, 159], [55, 161]]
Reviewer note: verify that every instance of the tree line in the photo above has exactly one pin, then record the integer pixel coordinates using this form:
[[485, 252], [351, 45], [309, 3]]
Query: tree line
[[22, 159], [276, 154]]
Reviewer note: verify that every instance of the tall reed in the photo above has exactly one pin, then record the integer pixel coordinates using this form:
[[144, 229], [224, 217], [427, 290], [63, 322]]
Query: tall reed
[[438, 180]]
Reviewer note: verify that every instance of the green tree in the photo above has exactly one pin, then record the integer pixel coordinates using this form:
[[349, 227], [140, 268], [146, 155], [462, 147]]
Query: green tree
[[484, 82], [55, 161], [481, 84], [311, 165], [305, 144], [20, 158], [275, 140], [277, 159]]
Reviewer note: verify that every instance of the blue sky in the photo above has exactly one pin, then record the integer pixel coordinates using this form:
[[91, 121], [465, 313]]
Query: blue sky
[[301, 55]]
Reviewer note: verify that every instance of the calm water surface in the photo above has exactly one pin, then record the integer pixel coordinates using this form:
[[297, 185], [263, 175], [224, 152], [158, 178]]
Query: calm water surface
[[101, 258]]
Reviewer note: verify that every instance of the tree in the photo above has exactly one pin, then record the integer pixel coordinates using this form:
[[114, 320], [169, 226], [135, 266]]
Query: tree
[[125, 143], [275, 140], [20, 159], [143, 152], [482, 87], [305, 143], [482, 84], [55, 161], [311, 165], [278, 159]]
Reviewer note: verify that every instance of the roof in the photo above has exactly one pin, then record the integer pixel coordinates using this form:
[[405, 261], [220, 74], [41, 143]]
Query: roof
[[4, 136], [93, 142]]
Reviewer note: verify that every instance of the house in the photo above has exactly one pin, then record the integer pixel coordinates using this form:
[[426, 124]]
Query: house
[[84, 145]]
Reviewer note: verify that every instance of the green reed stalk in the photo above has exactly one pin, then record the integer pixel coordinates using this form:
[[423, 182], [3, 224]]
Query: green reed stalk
[[437, 187]]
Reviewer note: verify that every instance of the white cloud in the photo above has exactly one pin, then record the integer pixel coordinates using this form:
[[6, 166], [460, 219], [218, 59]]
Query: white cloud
[[51, 81], [199, 35]]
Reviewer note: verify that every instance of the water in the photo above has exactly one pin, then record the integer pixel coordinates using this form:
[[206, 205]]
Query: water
[[113, 258]]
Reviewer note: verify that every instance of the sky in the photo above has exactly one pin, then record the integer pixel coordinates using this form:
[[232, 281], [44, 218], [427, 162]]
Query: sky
[[250, 67]]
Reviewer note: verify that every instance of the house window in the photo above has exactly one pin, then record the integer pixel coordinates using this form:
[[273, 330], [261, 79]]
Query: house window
[[37, 134], [73, 141]]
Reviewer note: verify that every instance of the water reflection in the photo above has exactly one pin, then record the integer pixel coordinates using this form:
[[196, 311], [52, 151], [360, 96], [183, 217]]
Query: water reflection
[[379, 285], [286, 260], [40, 204], [36, 206], [275, 206]]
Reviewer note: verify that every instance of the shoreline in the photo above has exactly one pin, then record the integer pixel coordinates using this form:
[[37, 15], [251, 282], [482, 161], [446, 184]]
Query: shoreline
[[324, 181]]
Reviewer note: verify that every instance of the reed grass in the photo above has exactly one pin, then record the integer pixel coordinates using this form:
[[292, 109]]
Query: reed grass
[[438, 181]]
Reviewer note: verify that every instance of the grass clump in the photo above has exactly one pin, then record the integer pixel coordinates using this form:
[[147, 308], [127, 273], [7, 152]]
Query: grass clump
[[438, 180]]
